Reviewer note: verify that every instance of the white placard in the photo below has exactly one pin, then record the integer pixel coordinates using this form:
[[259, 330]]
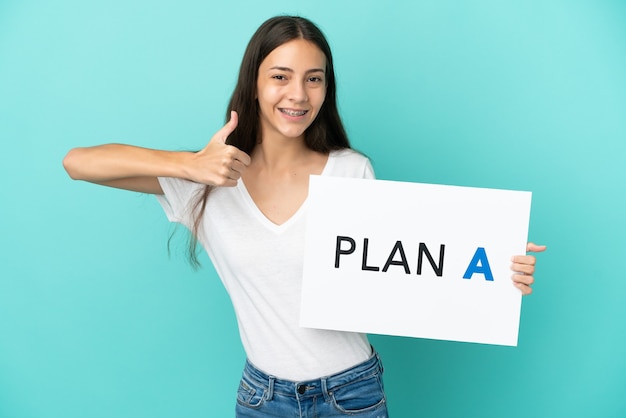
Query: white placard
[[387, 257]]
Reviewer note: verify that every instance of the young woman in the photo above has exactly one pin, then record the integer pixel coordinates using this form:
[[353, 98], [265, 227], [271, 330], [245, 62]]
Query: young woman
[[244, 198]]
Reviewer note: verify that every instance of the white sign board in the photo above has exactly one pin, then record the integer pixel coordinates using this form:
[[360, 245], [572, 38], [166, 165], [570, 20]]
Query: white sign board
[[416, 260]]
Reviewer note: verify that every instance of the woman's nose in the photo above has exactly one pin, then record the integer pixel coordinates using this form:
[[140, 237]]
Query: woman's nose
[[297, 92]]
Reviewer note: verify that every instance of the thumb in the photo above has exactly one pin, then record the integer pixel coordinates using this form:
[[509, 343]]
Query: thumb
[[221, 135], [535, 248]]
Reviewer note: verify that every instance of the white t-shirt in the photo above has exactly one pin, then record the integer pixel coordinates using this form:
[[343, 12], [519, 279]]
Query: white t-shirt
[[260, 264]]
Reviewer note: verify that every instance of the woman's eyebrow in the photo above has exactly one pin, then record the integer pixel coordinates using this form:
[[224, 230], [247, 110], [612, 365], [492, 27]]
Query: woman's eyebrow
[[287, 69]]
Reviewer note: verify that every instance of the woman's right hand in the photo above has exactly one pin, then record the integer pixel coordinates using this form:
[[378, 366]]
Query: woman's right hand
[[218, 164]]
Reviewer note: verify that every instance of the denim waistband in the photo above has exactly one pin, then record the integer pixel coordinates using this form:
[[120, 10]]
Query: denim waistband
[[315, 387]]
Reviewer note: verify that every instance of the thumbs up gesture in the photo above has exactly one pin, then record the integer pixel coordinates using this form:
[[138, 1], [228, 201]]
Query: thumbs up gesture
[[218, 164]]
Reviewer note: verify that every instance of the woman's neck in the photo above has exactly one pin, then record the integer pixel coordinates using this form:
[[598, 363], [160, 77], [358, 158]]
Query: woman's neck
[[277, 154]]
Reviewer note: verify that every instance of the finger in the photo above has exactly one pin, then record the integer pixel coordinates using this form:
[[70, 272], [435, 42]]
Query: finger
[[226, 177], [243, 158], [222, 134], [523, 283], [523, 279], [234, 154], [234, 175], [524, 259], [526, 290], [535, 248], [238, 167], [523, 268]]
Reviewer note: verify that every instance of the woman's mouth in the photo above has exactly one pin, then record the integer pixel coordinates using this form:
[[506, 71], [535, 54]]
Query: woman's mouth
[[293, 112]]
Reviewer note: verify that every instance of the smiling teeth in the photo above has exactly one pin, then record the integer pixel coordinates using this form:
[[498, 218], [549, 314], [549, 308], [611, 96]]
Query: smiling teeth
[[293, 112]]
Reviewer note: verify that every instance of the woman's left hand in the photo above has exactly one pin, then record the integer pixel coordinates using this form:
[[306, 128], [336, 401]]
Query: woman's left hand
[[524, 267]]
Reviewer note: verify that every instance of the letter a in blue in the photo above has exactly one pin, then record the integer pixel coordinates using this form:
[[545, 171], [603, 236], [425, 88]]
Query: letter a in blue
[[479, 264]]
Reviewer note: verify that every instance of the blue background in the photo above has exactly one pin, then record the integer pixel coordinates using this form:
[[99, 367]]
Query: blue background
[[97, 321]]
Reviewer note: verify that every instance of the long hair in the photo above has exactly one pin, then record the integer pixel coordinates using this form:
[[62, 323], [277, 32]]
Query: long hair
[[325, 133]]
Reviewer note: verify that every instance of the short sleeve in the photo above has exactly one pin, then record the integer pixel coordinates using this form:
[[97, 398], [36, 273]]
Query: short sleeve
[[368, 171], [177, 198], [349, 163]]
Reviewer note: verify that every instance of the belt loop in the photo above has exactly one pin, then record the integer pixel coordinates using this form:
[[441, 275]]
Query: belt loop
[[380, 363], [270, 388], [324, 382]]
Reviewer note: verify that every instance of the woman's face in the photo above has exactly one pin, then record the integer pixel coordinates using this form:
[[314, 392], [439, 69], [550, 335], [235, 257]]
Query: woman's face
[[291, 87]]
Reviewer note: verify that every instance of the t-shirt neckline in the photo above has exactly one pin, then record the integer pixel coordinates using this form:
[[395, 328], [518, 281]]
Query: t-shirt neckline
[[278, 228]]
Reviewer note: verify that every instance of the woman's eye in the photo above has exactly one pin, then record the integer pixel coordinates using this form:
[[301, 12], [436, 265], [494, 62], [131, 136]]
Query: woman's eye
[[279, 77], [315, 79]]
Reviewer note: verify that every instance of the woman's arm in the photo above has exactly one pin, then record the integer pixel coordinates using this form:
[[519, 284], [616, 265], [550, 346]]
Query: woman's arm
[[135, 168], [124, 166]]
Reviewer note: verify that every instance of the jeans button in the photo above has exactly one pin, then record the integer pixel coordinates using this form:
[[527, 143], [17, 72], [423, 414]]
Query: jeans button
[[301, 389]]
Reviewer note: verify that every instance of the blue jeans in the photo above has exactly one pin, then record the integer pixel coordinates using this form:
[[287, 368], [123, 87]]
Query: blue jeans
[[354, 392]]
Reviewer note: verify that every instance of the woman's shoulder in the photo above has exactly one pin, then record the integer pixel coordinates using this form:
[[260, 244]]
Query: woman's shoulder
[[349, 155], [347, 162]]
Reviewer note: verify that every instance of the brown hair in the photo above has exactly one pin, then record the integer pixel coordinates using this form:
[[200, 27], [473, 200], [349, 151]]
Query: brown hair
[[326, 133]]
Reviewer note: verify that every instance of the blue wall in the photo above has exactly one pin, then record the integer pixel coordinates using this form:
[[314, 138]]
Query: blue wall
[[97, 321]]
